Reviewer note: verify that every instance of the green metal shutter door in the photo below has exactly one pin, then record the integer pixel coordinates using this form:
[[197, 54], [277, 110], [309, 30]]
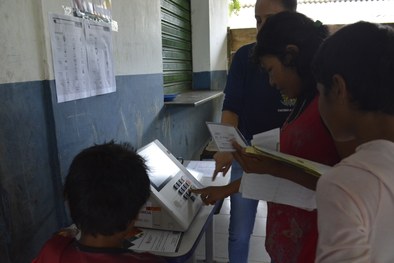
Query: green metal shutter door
[[177, 46]]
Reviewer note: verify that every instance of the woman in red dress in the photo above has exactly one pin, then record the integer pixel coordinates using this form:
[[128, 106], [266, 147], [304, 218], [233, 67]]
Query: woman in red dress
[[285, 48]]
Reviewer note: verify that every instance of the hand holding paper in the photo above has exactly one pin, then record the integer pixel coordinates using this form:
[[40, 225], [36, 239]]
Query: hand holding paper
[[253, 163], [255, 159], [308, 166]]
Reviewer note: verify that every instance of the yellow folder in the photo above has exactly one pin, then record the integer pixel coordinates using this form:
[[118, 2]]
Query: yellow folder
[[308, 166]]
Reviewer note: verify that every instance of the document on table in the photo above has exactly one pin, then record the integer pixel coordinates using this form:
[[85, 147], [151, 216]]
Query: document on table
[[278, 190], [154, 240], [223, 135], [200, 169], [203, 171]]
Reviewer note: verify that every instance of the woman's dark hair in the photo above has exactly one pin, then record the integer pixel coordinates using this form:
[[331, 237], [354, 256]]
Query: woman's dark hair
[[292, 28], [363, 54], [106, 187]]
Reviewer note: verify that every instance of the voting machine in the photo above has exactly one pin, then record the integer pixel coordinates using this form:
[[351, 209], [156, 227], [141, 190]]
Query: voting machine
[[171, 205]]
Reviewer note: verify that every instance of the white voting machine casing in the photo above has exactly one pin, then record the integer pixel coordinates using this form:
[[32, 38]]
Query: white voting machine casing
[[171, 205]]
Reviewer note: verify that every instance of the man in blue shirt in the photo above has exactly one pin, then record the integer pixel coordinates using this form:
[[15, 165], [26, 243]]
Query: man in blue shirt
[[253, 106]]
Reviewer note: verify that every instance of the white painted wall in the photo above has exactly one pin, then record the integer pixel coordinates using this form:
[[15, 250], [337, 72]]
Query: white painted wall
[[218, 12], [21, 41], [25, 51], [209, 34], [200, 37], [137, 45]]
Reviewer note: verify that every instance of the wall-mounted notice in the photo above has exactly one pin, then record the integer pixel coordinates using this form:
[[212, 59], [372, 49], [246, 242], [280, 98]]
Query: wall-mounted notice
[[82, 57], [94, 9]]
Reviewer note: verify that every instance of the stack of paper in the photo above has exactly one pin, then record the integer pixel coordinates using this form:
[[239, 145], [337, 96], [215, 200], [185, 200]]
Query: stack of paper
[[308, 166], [154, 240], [278, 190]]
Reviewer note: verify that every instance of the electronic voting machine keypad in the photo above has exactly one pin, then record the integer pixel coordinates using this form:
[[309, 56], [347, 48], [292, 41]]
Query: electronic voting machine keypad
[[171, 205], [183, 186]]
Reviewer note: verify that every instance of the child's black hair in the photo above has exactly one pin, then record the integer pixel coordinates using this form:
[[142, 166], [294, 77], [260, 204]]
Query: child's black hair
[[292, 28], [106, 187], [363, 54]]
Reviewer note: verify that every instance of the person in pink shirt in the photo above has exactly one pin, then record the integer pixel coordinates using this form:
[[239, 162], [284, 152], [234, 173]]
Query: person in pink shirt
[[354, 69]]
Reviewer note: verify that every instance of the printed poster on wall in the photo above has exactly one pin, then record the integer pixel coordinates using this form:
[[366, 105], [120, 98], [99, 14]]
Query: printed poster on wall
[[82, 57], [96, 9]]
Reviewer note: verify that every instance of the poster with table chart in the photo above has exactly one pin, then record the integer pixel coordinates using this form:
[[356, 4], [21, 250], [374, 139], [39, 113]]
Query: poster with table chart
[[82, 57]]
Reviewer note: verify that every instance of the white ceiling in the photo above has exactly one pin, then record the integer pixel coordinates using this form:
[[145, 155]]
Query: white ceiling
[[334, 12]]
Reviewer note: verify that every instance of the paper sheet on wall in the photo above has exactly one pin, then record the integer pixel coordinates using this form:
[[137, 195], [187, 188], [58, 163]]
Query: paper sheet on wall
[[274, 189], [82, 57], [99, 53]]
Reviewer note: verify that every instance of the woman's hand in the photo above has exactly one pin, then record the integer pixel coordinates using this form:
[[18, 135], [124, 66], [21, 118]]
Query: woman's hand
[[252, 163], [260, 164], [223, 161]]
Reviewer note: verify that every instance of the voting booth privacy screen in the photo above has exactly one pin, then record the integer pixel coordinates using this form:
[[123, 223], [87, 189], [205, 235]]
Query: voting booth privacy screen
[[171, 205]]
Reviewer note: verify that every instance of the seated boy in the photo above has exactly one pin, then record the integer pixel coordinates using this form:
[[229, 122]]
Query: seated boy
[[105, 188]]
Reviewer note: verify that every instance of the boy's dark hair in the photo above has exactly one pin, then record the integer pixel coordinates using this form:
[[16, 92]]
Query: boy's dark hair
[[292, 28], [363, 54], [106, 187]]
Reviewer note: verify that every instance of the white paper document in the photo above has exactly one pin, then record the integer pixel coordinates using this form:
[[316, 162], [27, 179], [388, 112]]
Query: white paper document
[[268, 139], [155, 240], [274, 189], [200, 169], [203, 172], [278, 190], [224, 134]]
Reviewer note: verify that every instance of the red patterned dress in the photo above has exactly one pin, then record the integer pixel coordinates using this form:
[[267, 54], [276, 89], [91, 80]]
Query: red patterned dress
[[291, 231]]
